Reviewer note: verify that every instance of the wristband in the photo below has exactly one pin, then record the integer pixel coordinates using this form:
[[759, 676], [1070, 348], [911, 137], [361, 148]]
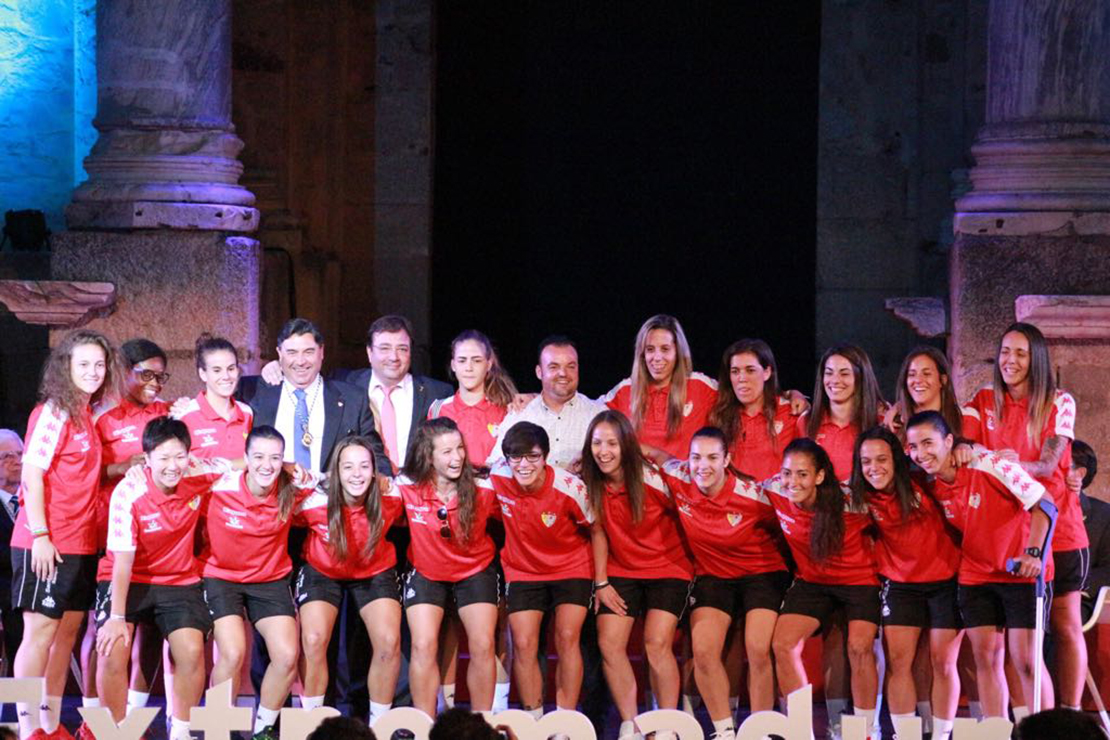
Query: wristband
[[120, 617], [599, 586], [36, 533]]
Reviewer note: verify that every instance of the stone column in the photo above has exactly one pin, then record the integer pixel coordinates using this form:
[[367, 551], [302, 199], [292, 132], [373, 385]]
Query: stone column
[[166, 155], [161, 216], [1036, 221]]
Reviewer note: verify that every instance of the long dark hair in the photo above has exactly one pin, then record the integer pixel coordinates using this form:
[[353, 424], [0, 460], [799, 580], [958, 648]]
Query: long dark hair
[[371, 503], [57, 386], [1042, 382], [827, 535], [498, 386], [866, 395], [632, 465], [862, 489], [419, 468], [903, 402], [725, 413], [287, 492]]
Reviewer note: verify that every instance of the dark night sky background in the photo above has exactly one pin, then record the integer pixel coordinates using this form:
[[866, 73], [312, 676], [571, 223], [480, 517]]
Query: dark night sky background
[[599, 162]]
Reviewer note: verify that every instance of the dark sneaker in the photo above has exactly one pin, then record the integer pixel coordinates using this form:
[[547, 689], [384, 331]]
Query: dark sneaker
[[266, 733]]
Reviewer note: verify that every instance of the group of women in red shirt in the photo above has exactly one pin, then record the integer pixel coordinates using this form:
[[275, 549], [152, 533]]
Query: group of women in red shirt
[[740, 513]]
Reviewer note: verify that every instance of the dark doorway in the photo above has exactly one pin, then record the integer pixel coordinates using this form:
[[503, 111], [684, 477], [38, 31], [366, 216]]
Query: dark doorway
[[597, 163]]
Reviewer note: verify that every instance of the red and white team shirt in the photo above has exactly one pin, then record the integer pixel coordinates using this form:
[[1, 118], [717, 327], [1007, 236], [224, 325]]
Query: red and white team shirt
[[653, 548], [434, 556], [989, 501], [245, 540], [918, 550], [1009, 433], [701, 394], [158, 527], [479, 424], [545, 535], [313, 513], [214, 436], [839, 442], [730, 534], [854, 565], [753, 451], [70, 454]]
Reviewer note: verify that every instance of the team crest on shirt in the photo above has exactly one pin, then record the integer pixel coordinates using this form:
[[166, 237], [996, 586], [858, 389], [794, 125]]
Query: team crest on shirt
[[990, 419], [688, 408], [778, 427], [195, 503], [733, 518], [548, 518], [493, 429], [684, 508], [974, 500]]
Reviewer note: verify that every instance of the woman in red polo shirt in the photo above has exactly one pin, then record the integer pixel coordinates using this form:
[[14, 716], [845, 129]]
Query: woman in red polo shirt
[[729, 524], [346, 552], [452, 561], [835, 570], [642, 567], [218, 424], [1025, 418], [924, 384], [245, 563], [917, 558], [664, 398], [54, 541]]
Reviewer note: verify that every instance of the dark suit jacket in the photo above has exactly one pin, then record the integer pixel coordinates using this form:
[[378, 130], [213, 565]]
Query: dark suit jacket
[[1096, 517], [346, 412], [425, 392]]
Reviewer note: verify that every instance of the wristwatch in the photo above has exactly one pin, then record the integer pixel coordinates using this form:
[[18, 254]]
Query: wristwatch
[[1033, 552]]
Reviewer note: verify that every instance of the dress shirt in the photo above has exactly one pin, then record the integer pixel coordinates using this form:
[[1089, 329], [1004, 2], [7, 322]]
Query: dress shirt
[[8, 499], [566, 428], [402, 399], [285, 421]]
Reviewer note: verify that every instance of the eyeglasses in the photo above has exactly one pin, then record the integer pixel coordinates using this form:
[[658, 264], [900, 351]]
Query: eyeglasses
[[10, 455], [149, 376], [532, 457], [444, 525]]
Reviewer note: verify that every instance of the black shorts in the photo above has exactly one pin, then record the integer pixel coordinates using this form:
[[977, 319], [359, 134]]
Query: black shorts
[[644, 594], [1072, 568], [261, 600], [819, 600], [169, 608], [925, 605], [738, 596], [480, 588], [1011, 605], [543, 595], [312, 585], [73, 588]]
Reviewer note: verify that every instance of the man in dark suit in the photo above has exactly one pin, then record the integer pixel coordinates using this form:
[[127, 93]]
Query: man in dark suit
[[1096, 518], [11, 466]]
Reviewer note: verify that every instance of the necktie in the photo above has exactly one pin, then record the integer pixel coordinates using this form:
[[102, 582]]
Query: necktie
[[302, 455], [389, 427]]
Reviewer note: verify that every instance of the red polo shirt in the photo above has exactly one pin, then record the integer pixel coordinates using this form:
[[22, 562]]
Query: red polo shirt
[[70, 455], [479, 424], [214, 436], [729, 533], [440, 558], [839, 442], [919, 549], [701, 394], [1009, 433], [754, 451], [545, 531], [313, 513], [652, 548]]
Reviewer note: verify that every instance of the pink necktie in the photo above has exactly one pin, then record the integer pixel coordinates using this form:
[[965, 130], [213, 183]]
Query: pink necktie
[[389, 426]]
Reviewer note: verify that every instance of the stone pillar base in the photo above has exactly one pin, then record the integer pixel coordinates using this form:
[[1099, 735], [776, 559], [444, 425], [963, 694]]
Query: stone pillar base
[[160, 215], [170, 287], [990, 271]]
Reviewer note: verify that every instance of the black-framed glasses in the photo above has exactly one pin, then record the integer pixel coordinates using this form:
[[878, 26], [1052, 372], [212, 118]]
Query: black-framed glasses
[[149, 376], [532, 457], [10, 455], [444, 525]]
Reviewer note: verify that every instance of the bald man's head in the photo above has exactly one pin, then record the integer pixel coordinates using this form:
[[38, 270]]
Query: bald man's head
[[11, 460]]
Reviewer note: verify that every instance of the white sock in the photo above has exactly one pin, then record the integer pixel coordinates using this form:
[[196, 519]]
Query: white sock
[[724, 727], [896, 719], [50, 713], [690, 703], [1074, 709], [975, 709], [264, 718], [90, 701], [179, 729], [501, 696], [449, 695], [565, 709], [942, 728], [536, 713], [137, 699], [1020, 713], [627, 729], [925, 712], [835, 708], [311, 702], [29, 719], [868, 714], [377, 710]]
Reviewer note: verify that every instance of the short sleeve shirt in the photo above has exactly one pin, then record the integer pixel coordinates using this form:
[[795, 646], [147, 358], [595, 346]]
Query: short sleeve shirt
[[357, 565], [754, 451], [439, 558], [214, 436], [839, 442], [701, 394], [654, 547], [917, 549], [479, 424]]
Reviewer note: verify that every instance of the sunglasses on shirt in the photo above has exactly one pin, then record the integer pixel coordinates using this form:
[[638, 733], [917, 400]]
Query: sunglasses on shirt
[[444, 525]]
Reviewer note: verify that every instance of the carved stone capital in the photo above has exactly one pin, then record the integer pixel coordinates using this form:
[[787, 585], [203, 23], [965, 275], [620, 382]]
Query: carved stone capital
[[1066, 316], [927, 316], [60, 303]]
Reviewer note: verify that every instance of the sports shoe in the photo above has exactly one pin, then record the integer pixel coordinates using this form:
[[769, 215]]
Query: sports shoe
[[84, 732], [266, 733], [38, 734], [60, 734]]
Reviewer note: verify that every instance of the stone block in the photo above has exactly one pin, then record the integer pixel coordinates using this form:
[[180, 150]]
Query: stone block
[[864, 254], [170, 287]]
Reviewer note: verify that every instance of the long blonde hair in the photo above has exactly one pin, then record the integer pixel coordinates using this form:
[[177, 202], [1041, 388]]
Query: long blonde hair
[[641, 376], [1042, 384]]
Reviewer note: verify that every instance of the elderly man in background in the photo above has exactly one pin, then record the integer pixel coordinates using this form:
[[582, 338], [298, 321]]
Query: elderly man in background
[[11, 468]]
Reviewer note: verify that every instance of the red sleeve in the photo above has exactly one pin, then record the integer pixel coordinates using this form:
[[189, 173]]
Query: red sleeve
[[973, 418]]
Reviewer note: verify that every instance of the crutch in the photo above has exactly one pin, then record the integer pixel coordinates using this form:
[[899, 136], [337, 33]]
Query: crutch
[[1050, 511]]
